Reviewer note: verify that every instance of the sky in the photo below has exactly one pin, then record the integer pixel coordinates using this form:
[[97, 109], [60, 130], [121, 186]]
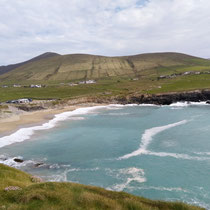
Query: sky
[[103, 27]]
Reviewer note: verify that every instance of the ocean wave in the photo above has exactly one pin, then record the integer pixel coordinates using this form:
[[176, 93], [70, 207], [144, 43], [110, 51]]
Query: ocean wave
[[26, 133], [117, 114], [127, 175], [60, 177], [202, 153], [147, 137], [10, 161], [186, 104], [176, 155], [169, 189]]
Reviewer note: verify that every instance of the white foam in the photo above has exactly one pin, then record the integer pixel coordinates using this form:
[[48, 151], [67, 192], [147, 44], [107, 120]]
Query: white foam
[[61, 177], [169, 189], [186, 104], [176, 155], [202, 153], [10, 161], [128, 175], [148, 136], [26, 133]]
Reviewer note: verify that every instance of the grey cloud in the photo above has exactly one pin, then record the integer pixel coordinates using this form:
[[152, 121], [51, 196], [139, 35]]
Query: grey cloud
[[106, 27]]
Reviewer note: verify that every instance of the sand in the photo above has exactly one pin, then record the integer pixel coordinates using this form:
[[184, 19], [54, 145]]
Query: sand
[[27, 119]]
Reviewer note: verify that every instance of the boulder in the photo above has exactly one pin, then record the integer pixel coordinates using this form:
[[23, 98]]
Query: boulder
[[36, 165], [18, 160]]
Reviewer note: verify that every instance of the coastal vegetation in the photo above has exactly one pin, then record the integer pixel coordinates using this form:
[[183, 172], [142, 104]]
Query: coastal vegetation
[[114, 76], [61, 78], [19, 190]]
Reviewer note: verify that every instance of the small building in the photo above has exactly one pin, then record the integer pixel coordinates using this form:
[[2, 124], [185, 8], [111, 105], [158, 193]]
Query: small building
[[35, 86], [23, 101], [90, 82], [187, 72], [73, 84], [20, 101], [82, 82], [16, 86], [12, 102]]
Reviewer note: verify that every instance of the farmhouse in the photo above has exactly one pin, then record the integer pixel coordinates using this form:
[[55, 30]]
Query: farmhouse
[[35, 86], [20, 101]]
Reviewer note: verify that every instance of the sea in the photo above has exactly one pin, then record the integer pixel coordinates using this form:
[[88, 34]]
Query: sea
[[158, 152]]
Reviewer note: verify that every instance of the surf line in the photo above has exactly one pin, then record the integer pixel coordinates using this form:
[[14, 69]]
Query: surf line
[[147, 137], [24, 134]]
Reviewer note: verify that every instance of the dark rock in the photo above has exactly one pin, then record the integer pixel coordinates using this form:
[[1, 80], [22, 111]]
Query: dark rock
[[167, 98], [30, 108], [18, 160], [38, 164]]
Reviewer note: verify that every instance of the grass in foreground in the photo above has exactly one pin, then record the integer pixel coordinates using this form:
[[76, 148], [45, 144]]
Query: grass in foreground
[[51, 195]]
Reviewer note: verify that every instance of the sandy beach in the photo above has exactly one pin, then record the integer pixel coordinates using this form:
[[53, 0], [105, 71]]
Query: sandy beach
[[17, 120]]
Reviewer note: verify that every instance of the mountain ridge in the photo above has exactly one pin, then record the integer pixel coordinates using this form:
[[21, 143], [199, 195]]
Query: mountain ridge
[[10, 67], [70, 67]]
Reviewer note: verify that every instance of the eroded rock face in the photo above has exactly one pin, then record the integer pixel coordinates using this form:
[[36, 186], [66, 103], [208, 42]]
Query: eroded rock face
[[12, 188], [30, 108], [168, 98]]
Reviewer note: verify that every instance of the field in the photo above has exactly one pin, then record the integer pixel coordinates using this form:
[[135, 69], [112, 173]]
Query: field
[[115, 76], [34, 195], [107, 88]]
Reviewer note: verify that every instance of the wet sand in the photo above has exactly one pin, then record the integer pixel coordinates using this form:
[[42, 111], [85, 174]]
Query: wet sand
[[15, 121]]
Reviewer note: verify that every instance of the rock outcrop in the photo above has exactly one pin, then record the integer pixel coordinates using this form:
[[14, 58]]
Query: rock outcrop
[[166, 98]]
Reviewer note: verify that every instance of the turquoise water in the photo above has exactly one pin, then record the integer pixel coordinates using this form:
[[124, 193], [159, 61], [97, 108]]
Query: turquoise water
[[151, 151]]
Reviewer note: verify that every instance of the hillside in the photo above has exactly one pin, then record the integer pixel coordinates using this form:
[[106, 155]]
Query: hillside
[[6, 69], [115, 76], [33, 195], [81, 67]]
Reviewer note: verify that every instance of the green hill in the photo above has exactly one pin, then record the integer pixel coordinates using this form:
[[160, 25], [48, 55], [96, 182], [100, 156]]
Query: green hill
[[51, 195], [6, 69], [81, 67], [115, 76]]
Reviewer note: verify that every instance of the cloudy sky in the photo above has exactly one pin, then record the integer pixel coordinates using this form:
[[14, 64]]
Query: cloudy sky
[[106, 27]]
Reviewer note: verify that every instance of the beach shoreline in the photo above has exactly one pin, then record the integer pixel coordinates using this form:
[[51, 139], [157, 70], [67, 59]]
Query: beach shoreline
[[16, 121]]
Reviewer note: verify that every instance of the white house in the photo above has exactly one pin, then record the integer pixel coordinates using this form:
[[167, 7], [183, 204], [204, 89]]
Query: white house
[[90, 82], [16, 86], [23, 101], [35, 86]]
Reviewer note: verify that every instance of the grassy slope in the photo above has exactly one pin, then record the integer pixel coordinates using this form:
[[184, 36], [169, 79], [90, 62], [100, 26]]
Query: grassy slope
[[81, 66], [113, 74], [109, 87], [69, 196], [4, 69]]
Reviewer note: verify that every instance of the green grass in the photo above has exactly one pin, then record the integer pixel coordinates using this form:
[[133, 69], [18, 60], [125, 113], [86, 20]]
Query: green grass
[[81, 66], [185, 83], [110, 87], [113, 75], [114, 87], [70, 196]]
